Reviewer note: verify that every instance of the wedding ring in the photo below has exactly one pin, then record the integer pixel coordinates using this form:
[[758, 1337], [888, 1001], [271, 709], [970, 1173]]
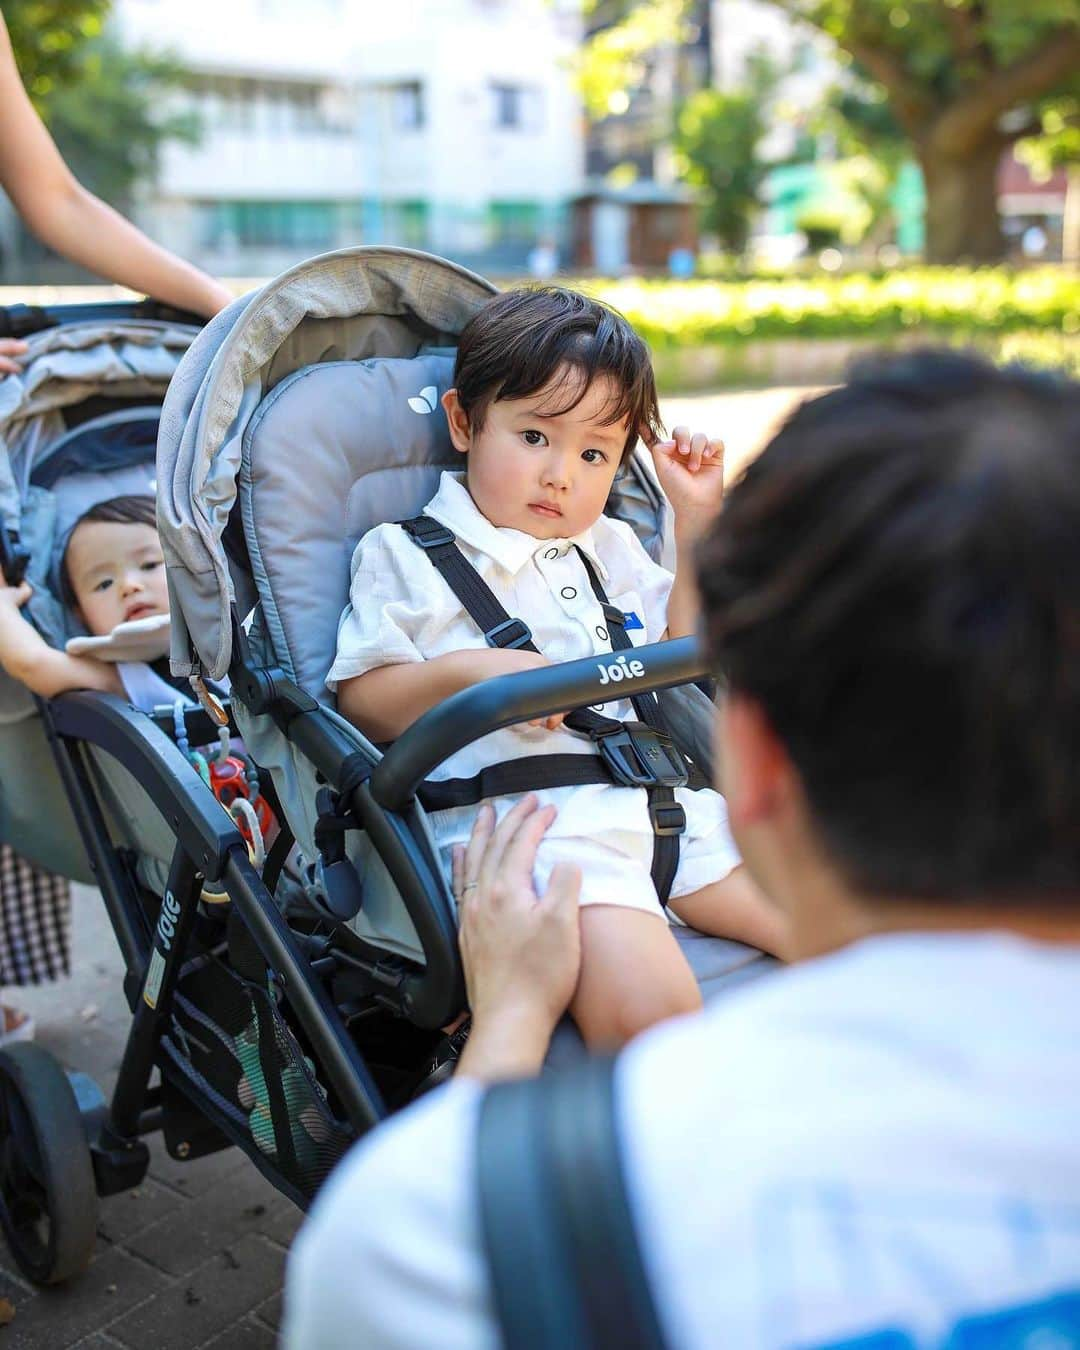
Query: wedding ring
[[469, 886]]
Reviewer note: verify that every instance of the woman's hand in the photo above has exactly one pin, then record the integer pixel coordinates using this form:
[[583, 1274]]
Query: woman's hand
[[9, 349], [12, 598], [691, 472], [521, 951]]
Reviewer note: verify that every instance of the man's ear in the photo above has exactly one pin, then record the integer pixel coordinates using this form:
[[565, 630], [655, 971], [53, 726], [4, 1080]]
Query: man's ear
[[457, 420], [758, 775]]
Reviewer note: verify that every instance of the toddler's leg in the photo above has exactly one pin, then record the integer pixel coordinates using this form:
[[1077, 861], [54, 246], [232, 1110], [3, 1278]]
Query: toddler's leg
[[632, 975], [735, 908]]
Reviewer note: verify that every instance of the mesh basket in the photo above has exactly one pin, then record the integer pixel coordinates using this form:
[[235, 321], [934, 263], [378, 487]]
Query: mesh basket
[[234, 1052]]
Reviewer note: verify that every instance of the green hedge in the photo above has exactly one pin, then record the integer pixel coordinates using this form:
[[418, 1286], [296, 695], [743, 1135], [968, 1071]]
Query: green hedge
[[940, 301]]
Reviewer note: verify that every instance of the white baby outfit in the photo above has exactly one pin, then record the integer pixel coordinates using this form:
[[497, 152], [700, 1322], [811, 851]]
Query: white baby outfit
[[402, 610]]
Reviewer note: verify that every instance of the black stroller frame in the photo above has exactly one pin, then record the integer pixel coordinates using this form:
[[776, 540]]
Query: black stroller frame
[[328, 985]]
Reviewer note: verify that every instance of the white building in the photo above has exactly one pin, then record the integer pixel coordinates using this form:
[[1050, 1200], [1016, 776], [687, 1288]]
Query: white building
[[450, 125]]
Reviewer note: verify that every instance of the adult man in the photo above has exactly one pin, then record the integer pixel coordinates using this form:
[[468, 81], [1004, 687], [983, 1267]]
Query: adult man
[[881, 1145]]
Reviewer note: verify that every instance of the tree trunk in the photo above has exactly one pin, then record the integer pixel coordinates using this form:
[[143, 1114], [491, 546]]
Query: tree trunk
[[962, 222]]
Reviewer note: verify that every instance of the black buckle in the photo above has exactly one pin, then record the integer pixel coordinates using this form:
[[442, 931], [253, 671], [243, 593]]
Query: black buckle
[[428, 533], [639, 756], [509, 633], [667, 817], [613, 615]]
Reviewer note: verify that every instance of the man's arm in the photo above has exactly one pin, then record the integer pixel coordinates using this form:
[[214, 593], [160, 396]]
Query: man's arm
[[392, 1253]]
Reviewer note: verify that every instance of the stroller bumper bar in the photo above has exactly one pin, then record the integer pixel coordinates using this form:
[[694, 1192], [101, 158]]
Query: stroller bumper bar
[[496, 703]]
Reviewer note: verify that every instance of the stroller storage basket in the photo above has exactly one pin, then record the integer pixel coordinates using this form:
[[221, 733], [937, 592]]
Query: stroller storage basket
[[228, 1041]]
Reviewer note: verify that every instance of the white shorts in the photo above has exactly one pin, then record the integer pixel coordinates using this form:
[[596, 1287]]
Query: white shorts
[[616, 867]]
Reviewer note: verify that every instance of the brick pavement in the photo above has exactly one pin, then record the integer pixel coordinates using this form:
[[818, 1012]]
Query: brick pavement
[[192, 1259]]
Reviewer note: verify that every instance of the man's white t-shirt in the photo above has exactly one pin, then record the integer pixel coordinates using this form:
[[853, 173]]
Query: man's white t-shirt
[[879, 1148]]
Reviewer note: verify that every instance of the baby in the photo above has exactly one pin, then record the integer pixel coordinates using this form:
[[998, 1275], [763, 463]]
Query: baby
[[113, 572], [552, 391]]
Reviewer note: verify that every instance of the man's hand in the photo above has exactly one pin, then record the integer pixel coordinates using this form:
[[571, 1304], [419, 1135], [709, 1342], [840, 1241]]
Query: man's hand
[[691, 472], [521, 951], [10, 348]]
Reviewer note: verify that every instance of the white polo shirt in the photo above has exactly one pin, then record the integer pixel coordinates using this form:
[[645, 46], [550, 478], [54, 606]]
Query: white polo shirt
[[401, 610], [878, 1149]]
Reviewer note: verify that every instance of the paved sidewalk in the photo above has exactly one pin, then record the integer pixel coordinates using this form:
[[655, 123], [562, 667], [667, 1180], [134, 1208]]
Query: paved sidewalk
[[193, 1258]]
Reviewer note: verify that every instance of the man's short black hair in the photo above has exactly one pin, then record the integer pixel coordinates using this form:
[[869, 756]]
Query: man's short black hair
[[134, 509], [520, 340], [896, 581]]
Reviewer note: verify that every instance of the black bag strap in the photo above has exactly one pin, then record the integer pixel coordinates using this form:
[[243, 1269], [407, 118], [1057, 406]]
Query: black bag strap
[[566, 1269]]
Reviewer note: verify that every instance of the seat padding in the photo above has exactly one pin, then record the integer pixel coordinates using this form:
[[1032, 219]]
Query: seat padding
[[333, 451]]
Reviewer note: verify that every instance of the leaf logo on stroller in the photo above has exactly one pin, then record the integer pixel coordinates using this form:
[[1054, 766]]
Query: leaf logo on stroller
[[426, 401]]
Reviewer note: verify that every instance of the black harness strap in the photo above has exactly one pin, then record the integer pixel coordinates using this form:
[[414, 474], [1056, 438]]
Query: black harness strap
[[618, 759], [668, 817]]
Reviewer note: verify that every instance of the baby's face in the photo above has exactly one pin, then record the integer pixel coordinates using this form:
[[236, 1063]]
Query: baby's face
[[544, 472], [117, 573]]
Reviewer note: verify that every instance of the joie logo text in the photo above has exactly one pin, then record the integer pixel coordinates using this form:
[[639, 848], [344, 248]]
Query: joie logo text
[[619, 670], [166, 924]]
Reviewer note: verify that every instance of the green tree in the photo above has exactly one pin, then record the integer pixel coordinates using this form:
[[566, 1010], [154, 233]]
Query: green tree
[[47, 37], [964, 80], [108, 108], [1058, 146], [112, 122], [716, 140]]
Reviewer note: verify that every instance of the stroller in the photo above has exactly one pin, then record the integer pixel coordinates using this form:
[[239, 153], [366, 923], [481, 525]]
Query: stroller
[[286, 1009]]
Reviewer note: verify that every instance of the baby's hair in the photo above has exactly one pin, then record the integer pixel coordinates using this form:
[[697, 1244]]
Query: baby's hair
[[134, 509], [519, 341]]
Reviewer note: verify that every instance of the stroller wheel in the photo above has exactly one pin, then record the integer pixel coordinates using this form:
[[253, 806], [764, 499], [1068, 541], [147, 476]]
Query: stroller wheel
[[48, 1200]]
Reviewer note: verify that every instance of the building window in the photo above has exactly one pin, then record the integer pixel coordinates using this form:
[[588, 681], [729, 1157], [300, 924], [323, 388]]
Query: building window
[[514, 224], [407, 105], [299, 225], [516, 107]]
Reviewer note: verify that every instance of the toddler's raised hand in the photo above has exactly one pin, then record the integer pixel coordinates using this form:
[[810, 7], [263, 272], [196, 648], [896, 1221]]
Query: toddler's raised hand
[[691, 472]]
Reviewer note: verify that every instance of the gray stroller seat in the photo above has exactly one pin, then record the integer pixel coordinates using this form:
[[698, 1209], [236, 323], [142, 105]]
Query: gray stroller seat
[[50, 473], [313, 420]]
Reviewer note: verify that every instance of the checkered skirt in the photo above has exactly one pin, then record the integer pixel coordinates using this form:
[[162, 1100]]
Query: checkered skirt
[[35, 922]]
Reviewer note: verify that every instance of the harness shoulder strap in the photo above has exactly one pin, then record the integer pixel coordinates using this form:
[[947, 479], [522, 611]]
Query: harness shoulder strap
[[566, 1269], [500, 630]]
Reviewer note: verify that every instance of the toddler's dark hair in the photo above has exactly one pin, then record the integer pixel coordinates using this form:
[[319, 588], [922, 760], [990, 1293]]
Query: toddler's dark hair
[[896, 582], [520, 340], [134, 509]]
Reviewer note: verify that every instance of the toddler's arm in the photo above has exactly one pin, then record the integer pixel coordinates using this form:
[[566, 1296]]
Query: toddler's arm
[[384, 701], [28, 658], [691, 472]]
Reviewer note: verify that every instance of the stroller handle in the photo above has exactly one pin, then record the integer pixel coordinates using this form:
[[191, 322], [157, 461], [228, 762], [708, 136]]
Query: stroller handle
[[506, 699], [20, 321]]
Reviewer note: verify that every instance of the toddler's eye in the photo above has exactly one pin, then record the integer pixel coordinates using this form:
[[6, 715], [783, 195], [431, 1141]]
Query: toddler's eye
[[532, 437], [153, 566], [103, 584], [594, 456]]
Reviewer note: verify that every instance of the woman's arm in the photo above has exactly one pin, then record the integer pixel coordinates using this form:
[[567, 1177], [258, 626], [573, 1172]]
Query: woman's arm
[[384, 701], [28, 658], [63, 215]]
